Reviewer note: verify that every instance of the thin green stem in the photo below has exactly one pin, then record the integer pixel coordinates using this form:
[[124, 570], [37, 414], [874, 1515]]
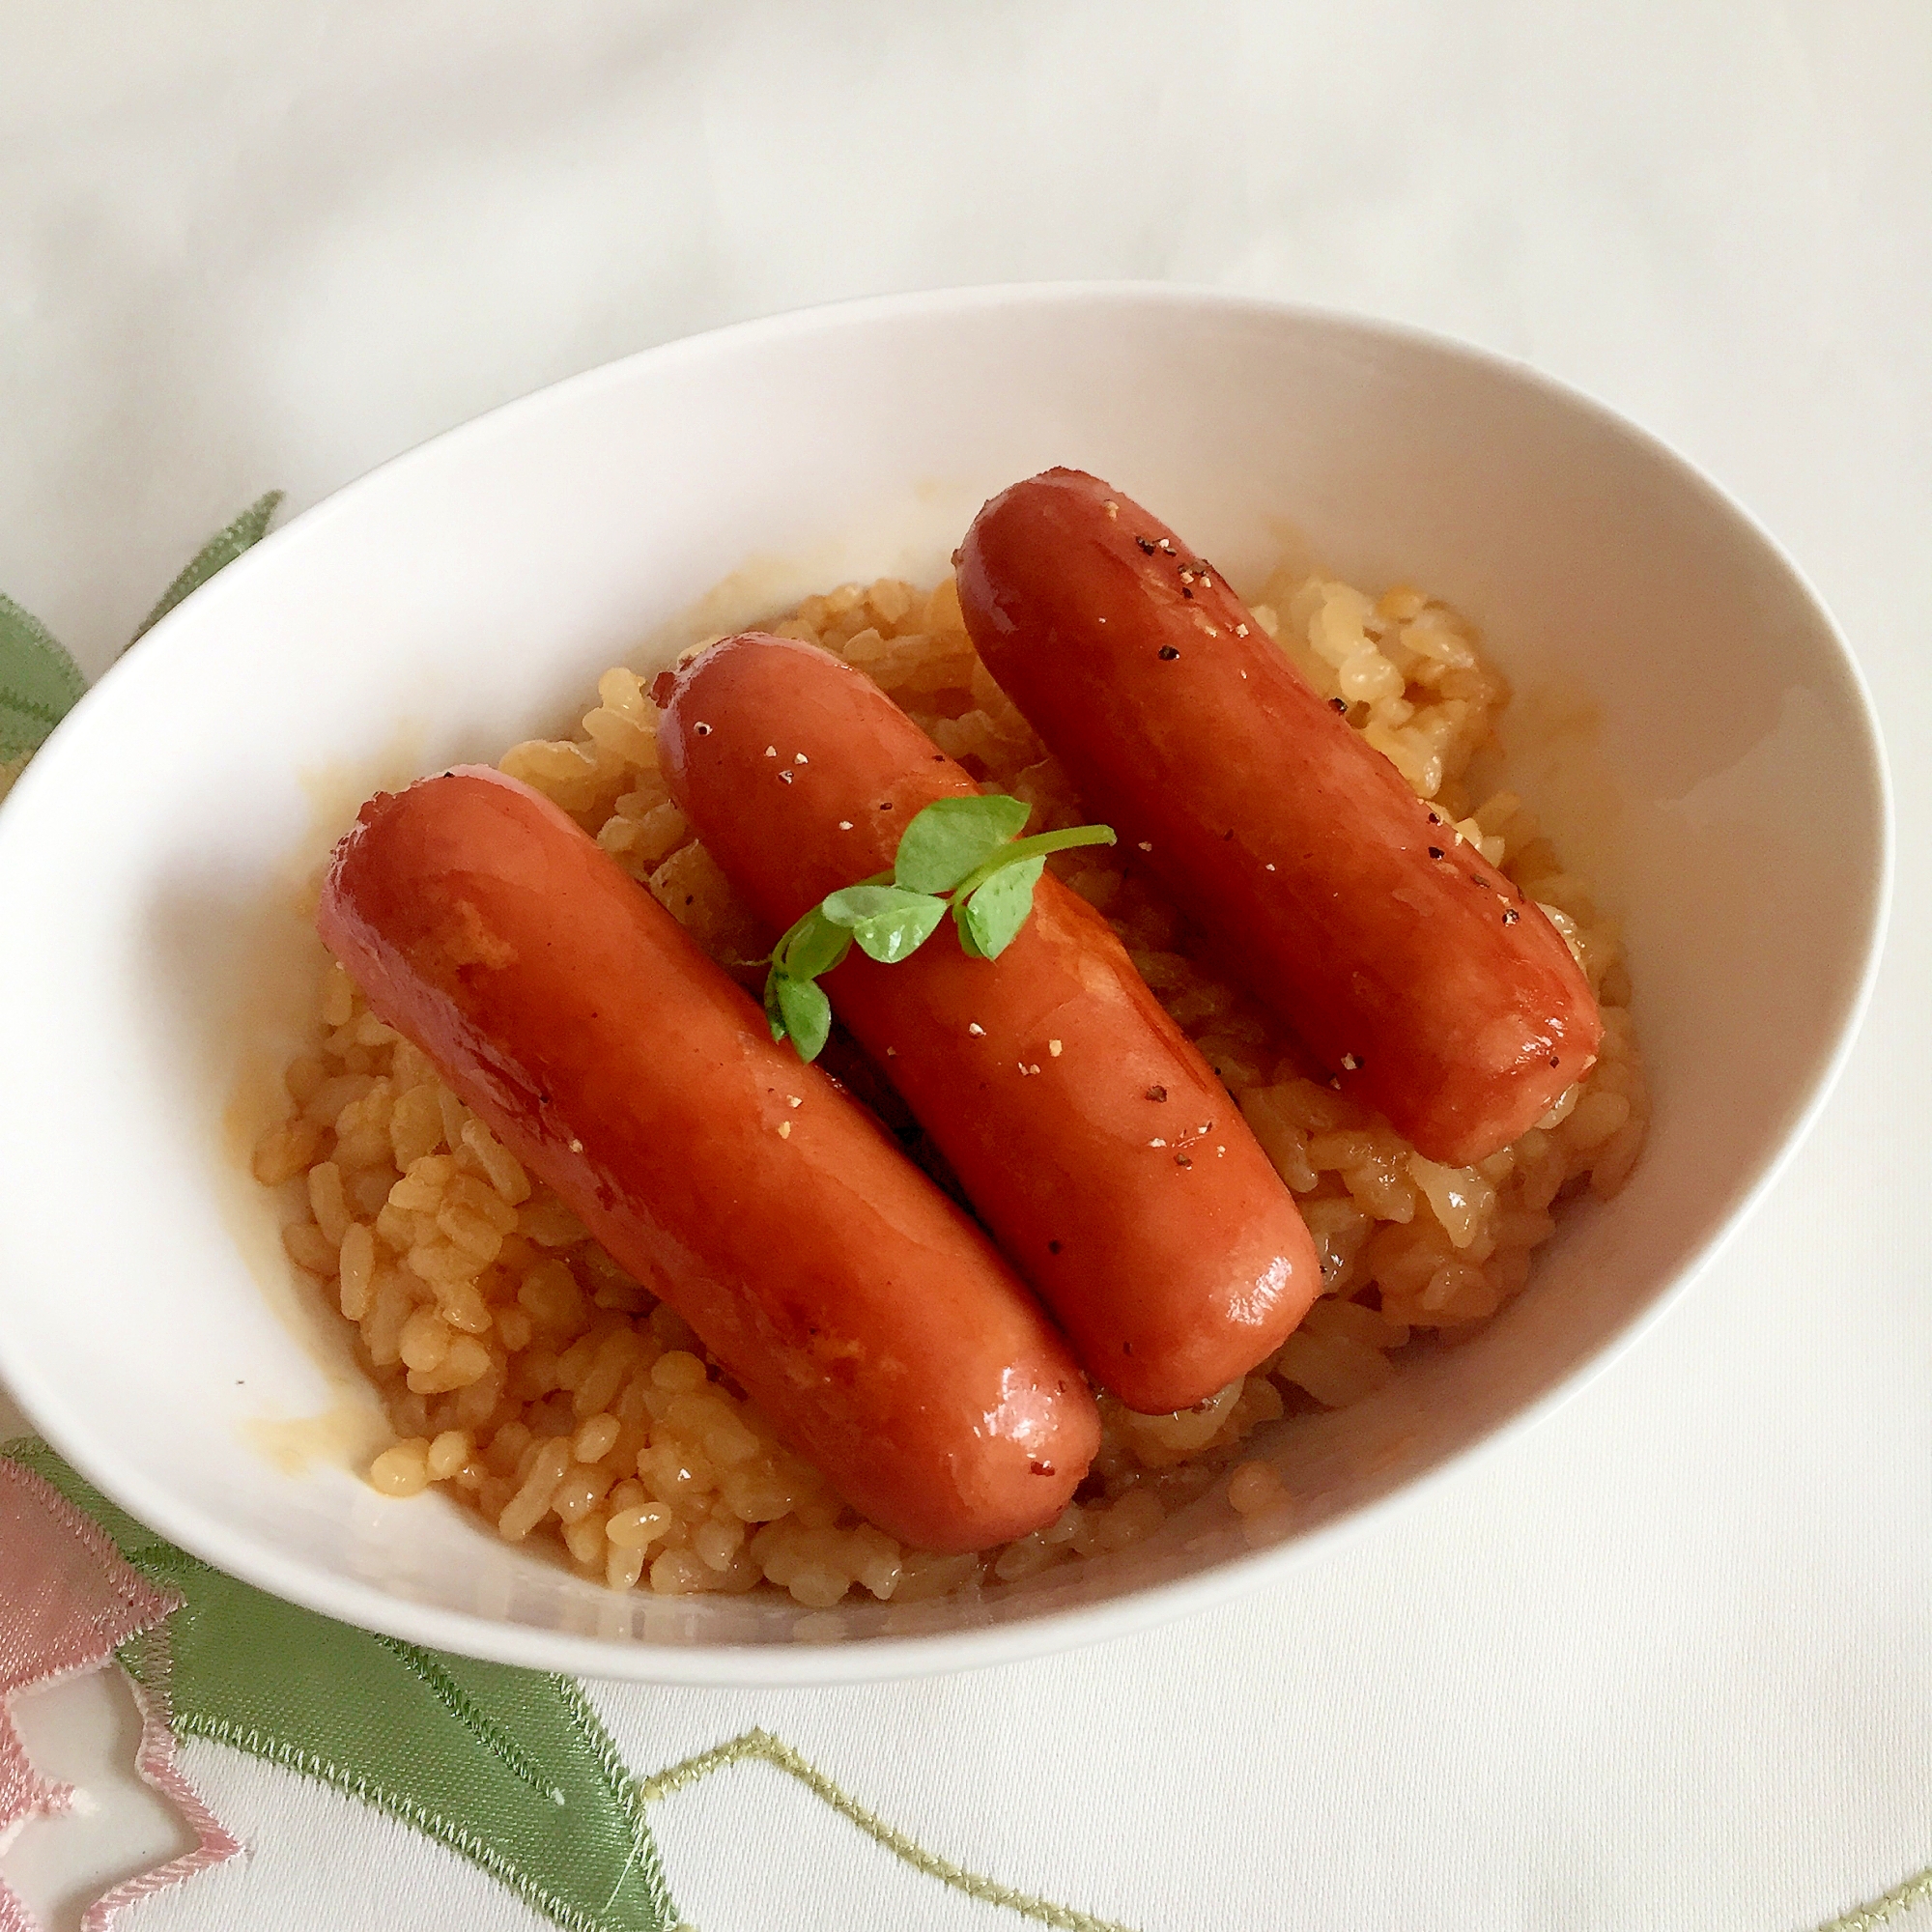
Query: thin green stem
[[1040, 843]]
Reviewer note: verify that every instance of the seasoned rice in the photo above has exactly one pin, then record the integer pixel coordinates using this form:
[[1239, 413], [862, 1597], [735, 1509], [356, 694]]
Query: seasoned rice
[[529, 1376]]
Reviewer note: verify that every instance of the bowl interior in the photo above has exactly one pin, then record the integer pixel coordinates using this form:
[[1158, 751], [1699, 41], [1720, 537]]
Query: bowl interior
[[1687, 725]]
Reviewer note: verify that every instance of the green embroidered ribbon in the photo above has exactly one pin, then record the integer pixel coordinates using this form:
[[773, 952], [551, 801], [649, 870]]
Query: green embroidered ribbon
[[40, 683], [217, 554], [510, 1768]]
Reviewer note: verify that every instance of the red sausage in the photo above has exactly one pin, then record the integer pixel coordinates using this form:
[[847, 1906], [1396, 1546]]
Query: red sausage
[[1415, 971], [864, 1313], [1088, 1132]]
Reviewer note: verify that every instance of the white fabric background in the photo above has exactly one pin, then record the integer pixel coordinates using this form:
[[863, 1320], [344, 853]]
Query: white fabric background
[[1669, 1662]]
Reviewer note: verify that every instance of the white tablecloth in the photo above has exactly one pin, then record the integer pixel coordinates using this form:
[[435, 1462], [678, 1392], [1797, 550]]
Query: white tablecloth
[[1667, 1663]]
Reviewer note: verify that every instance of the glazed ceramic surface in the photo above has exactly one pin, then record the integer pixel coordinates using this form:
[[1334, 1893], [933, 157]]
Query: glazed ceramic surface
[[1688, 725]]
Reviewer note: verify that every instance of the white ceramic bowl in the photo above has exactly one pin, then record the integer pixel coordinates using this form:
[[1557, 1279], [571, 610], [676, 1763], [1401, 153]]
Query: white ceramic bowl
[[1689, 725]]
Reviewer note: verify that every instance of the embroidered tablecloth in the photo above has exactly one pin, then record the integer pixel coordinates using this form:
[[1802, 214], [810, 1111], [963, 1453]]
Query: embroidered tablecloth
[[1667, 1663]]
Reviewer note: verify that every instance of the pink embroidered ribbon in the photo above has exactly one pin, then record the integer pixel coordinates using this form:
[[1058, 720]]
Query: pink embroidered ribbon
[[67, 1600]]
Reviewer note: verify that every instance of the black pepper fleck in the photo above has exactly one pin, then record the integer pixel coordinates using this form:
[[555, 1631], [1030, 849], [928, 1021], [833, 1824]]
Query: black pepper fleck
[[1436, 851], [1181, 1160], [1510, 915], [1041, 1469], [703, 730], [1338, 705], [1146, 543], [1554, 1062], [1156, 1093], [1053, 1248], [1169, 653]]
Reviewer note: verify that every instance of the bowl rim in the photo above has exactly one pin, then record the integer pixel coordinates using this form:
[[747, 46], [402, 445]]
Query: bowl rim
[[862, 1660]]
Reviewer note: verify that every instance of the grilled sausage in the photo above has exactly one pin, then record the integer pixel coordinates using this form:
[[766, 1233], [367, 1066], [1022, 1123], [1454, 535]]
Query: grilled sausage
[[1084, 1127], [861, 1310], [1411, 966]]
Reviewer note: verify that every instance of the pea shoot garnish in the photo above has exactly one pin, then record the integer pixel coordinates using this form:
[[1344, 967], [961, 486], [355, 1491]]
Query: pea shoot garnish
[[963, 855]]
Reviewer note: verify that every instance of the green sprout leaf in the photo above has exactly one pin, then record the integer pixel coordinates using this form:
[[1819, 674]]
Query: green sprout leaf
[[847, 907], [967, 847], [888, 923], [968, 943], [995, 910], [806, 1011], [773, 1012], [814, 946], [954, 837]]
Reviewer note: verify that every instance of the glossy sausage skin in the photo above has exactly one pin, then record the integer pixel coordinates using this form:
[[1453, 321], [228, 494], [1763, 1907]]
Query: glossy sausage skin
[[868, 1318], [1084, 1127], [1427, 983]]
